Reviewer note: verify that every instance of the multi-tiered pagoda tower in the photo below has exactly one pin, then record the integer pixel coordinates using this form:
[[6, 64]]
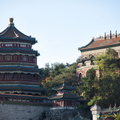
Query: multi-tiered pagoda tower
[[64, 99], [19, 73]]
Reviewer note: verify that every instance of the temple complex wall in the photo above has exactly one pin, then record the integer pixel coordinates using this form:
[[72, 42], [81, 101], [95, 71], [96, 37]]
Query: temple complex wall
[[21, 112], [82, 69], [98, 52]]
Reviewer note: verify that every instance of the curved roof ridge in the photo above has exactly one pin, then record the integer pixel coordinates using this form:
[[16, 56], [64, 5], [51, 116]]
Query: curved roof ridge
[[11, 32], [3, 32], [64, 87], [102, 43], [15, 32], [86, 45]]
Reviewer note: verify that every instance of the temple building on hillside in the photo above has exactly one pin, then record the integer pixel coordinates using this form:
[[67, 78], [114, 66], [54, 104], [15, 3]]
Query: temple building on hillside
[[96, 47], [19, 74], [64, 99]]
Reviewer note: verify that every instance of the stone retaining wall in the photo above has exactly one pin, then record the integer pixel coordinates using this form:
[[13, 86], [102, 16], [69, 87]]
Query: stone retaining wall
[[21, 112]]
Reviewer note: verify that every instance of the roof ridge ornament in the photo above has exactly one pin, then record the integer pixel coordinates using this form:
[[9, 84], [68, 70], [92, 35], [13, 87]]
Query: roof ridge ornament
[[110, 34], [11, 22]]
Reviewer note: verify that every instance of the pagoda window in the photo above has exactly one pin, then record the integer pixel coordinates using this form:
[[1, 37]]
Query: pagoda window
[[25, 58], [34, 59], [36, 94], [1, 57], [21, 57], [68, 103], [40, 100], [22, 45], [15, 57], [30, 58], [8, 76], [6, 98], [35, 77], [8, 45], [28, 46], [22, 76], [28, 76], [8, 57], [1, 76], [15, 76]]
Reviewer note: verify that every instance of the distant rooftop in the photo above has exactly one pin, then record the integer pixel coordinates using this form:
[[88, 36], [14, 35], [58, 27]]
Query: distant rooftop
[[100, 42]]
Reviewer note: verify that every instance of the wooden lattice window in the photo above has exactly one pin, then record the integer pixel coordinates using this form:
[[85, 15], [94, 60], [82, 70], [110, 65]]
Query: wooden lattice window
[[1, 76], [35, 77], [8, 76], [15, 76], [8, 45], [15, 57], [28, 76], [1, 57], [22, 76], [8, 57], [25, 58]]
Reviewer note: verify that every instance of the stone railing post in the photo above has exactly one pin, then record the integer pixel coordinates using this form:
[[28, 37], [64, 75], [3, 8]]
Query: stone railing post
[[95, 112]]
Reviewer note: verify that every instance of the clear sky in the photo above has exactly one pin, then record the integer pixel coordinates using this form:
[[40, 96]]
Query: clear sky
[[61, 26]]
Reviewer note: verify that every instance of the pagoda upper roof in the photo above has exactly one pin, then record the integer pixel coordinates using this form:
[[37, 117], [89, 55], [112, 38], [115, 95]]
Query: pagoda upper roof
[[102, 42], [64, 87], [12, 33], [64, 96]]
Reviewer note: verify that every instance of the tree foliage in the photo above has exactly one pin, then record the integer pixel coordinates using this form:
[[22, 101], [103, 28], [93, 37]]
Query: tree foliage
[[108, 62], [105, 89], [59, 73], [117, 117]]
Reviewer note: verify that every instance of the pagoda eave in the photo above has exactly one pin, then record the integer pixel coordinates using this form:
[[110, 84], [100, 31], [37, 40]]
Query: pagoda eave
[[25, 40], [63, 99], [18, 87], [19, 95], [64, 87], [17, 70], [18, 50], [54, 97], [20, 82], [96, 48]]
